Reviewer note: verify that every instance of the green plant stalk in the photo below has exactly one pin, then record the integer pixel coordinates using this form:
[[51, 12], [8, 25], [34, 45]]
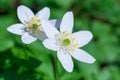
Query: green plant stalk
[[55, 67]]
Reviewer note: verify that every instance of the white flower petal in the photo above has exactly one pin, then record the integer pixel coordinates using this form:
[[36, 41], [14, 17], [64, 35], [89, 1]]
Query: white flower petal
[[83, 37], [83, 56], [41, 35], [24, 14], [16, 29], [49, 29], [65, 60], [44, 13], [50, 44], [55, 23], [67, 22], [27, 39]]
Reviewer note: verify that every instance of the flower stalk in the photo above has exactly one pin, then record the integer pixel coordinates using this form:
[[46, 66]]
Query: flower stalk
[[55, 66]]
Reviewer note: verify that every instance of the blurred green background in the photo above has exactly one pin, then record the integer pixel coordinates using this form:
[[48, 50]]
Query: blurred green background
[[33, 62]]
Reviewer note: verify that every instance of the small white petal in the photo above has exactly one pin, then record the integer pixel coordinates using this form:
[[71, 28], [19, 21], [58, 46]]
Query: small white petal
[[67, 22], [50, 44], [27, 39], [49, 29], [65, 60], [83, 37], [16, 29], [55, 23], [41, 35], [44, 13], [83, 56], [24, 14]]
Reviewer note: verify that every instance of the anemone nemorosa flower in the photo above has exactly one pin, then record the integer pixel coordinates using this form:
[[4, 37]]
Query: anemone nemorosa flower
[[30, 27], [66, 43]]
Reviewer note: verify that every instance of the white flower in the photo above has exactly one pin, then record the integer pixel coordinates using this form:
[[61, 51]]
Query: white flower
[[67, 44], [30, 27]]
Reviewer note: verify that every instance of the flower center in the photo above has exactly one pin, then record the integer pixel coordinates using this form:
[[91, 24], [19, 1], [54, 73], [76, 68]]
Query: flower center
[[33, 25], [67, 41]]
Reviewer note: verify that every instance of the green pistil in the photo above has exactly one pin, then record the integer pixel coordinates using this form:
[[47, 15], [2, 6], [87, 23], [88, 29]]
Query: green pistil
[[66, 42], [35, 26]]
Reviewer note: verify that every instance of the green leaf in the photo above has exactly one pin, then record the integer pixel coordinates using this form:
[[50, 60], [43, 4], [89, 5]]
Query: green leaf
[[104, 75], [71, 76], [100, 29], [64, 3], [6, 44]]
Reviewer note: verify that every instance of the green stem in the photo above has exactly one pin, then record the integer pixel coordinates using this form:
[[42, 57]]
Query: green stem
[[55, 67], [24, 50]]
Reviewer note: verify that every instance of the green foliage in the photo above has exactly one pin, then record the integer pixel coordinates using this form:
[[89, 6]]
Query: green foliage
[[33, 62]]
